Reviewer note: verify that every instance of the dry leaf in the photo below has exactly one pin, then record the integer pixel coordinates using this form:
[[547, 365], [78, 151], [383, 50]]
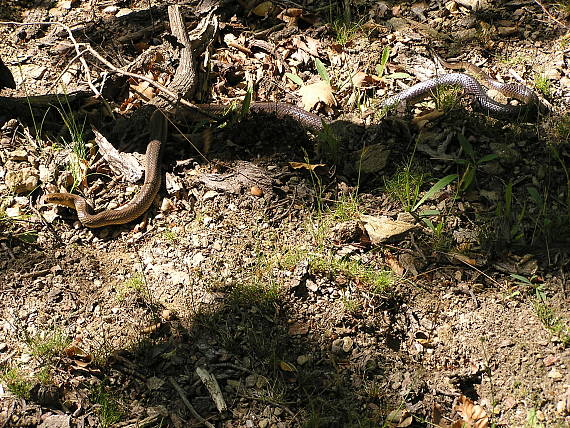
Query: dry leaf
[[144, 89], [473, 414], [314, 93], [394, 264], [307, 166], [364, 80], [287, 367], [263, 9]]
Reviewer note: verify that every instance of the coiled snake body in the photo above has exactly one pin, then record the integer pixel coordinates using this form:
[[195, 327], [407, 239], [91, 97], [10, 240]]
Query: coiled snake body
[[143, 200]]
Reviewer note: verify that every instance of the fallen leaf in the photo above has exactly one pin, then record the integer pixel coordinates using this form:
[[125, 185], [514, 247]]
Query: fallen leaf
[[394, 264], [307, 166], [382, 229], [314, 93], [263, 9], [287, 367], [364, 80], [473, 414]]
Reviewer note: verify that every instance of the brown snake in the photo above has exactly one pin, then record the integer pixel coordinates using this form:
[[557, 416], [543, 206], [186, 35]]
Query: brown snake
[[143, 200]]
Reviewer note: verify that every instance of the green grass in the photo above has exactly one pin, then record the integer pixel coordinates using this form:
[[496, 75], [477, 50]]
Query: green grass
[[405, 185], [134, 285], [48, 346], [556, 324], [16, 382], [375, 280], [76, 163], [108, 408], [542, 83], [446, 98]]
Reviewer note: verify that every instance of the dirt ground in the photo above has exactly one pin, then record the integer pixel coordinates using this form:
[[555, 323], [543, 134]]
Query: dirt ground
[[284, 278]]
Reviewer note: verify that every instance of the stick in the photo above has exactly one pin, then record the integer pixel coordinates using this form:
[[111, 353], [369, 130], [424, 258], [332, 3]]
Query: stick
[[187, 403]]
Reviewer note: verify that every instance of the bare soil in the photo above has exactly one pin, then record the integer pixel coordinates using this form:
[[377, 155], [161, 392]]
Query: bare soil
[[274, 283]]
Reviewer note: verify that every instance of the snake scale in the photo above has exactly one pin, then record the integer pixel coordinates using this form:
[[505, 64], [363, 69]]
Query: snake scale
[[143, 200]]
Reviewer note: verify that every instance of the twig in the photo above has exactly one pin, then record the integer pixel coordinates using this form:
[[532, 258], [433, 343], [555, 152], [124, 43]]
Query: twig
[[75, 45], [187, 403], [69, 64], [550, 15]]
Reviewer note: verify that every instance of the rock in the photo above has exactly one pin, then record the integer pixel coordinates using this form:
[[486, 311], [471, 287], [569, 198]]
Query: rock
[[18, 155], [22, 181], [347, 343], [210, 194], [123, 12], [372, 159], [554, 374], [111, 9], [336, 346], [263, 423], [507, 31], [468, 34], [56, 421], [303, 359]]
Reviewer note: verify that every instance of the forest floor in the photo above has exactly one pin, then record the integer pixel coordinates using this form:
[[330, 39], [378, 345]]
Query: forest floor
[[407, 271]]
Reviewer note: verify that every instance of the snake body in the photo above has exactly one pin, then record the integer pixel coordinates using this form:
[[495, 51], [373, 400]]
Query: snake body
[[474, 88], [143, 200], [140, 203]]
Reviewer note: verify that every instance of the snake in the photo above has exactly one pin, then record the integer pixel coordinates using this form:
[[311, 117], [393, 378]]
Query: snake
[[144, 198], [139, 204]]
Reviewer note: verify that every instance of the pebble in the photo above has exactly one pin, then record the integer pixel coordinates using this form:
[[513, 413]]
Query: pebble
[[23, 180]]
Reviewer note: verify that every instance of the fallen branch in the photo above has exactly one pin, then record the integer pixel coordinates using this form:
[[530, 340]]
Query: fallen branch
[[187, 403]]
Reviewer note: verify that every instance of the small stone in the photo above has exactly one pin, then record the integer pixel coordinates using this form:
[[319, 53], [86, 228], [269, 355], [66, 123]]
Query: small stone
[[263, 423], [123, 12], [210, 194], [167, 205], [562, 407], [46, 175], [507, 31], [23, 180], [347, 343], [251, 380], [303, 359], [65, 180], [336, 346], [13, 212], [311, 285], [554, 374], [111, 9], [197, 259], [168, 315], [18, 155], [256, 191]]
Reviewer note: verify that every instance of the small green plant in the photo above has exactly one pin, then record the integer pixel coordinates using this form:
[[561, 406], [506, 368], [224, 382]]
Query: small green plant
[[556, 324], [108, 409], [542, 83], [16, 382], [76, 163], [345, 32], [351, 306], [532, 420], [170, 235], [406, 185], [471, 163], [135, 284], [261, 294], [44, 375], [376, 280], [48, 346], [446, 97]]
